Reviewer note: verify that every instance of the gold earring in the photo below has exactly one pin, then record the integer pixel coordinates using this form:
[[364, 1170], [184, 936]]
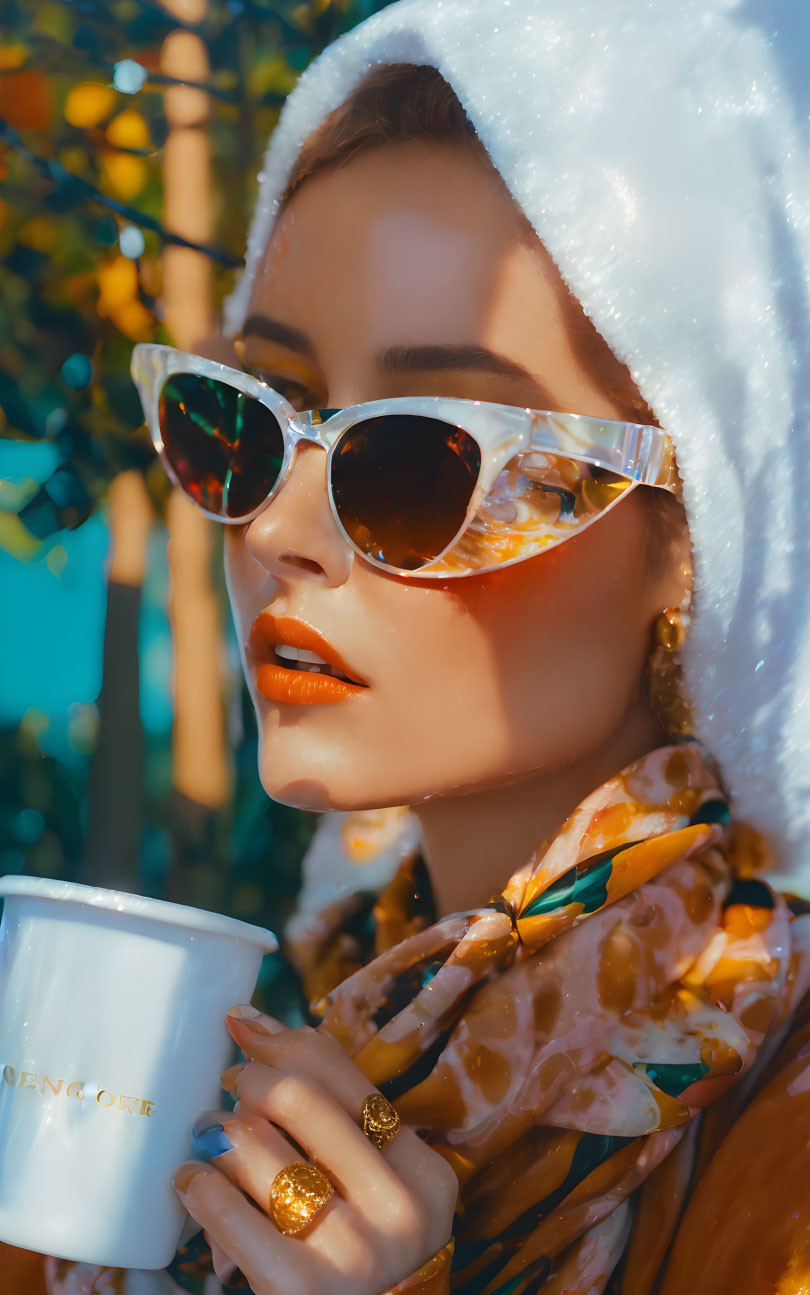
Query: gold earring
[[664, 674]]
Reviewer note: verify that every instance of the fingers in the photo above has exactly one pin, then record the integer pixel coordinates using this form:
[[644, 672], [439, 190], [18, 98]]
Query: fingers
[[245, 1236], [251, 1152], [301, 1096], [244, 1146], [332, 1254], [225, 1268], [314, 1053], [79, 1279], [307, 1113]]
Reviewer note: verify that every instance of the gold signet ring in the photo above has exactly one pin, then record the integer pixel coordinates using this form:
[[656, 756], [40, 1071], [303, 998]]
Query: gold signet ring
[[297, 1194], [380, 1121]]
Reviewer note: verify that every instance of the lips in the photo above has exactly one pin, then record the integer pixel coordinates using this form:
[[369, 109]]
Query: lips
[[285, 684]]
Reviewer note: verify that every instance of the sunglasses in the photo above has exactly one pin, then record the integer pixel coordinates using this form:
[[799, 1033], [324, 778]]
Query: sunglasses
[[418, 486]]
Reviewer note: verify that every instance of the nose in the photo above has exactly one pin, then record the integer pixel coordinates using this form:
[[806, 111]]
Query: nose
[[296, 534]]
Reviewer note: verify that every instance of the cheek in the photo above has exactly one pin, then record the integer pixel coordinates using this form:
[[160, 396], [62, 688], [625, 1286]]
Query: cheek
[[568, 634], [243, 576], [588, 595], [542, 603]]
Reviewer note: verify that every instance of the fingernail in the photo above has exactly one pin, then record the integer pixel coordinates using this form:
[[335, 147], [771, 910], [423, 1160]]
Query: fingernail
[[243, 1011], [209, 1139], [227, 1079], [256, 1027], [183, 1177], [257, 1022]]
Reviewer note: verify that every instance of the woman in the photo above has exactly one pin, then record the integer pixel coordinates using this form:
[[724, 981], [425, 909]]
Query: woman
[[596, 1069]]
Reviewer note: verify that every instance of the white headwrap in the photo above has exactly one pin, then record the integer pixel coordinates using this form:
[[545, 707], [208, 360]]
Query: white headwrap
[[660, 150]]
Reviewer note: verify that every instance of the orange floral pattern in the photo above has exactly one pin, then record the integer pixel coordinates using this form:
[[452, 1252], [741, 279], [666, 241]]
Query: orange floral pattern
[[560, 1045]]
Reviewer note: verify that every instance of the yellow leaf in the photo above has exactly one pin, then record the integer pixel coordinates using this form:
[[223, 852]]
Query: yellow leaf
[[118, 283], [88, 103], [134, 321], [129, 130], [35, 722], [56, 561], [11, 56], [14, 495], [73, 159], [55, 22], [124, 174], [273, 73], [15, 539], [40, 232], [79, 287]]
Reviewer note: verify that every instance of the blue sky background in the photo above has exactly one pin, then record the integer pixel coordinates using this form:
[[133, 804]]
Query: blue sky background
[[53, 632]]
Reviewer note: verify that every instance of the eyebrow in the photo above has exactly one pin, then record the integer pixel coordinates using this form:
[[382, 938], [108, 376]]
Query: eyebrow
[[414, 359], [272, 330], [478, 359]]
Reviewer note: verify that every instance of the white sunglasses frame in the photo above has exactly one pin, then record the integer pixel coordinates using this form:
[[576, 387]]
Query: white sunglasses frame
[[641, 452]]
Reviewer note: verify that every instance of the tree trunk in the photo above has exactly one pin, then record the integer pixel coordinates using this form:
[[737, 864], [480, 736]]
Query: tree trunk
[[115, 791], [201, 774]]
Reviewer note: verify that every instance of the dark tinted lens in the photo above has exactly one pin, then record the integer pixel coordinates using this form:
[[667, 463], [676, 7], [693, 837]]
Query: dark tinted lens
[[225, 447], [402, 485]]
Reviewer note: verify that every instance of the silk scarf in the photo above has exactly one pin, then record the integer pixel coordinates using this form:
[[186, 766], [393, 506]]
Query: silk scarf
[[558, 1044], [578, 1047]]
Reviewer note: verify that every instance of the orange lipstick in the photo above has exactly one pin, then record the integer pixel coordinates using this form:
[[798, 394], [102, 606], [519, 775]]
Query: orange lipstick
[[281, 683]]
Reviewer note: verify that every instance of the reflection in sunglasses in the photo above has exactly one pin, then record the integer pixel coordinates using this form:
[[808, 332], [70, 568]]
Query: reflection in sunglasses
[[537, 501]]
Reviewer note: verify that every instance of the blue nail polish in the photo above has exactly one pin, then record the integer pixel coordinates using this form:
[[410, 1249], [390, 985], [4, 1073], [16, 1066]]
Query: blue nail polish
[[209, 1140]]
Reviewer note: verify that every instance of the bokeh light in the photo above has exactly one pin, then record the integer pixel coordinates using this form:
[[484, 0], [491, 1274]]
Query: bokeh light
[[128, 76], [76, 371]]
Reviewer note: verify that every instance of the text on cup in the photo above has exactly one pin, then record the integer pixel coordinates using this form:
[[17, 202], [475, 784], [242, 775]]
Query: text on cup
[[48, 1087]]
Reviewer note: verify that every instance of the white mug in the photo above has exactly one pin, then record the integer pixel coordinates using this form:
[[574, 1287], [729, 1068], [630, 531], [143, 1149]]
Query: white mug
[[112, 1041]]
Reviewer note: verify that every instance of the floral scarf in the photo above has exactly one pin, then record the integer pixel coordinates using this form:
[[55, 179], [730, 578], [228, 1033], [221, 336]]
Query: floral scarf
[[558, 1044]]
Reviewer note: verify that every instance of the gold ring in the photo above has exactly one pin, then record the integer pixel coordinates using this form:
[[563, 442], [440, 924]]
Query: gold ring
[[297, 1194], [380, 1121]]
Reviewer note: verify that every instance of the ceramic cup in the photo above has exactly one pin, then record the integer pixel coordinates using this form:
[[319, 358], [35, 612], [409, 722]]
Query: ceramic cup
[[112, 1041]]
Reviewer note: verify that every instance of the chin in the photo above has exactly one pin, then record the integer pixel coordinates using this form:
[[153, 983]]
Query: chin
[[343, 782], [324, 758], [318, 795], [310, 758], [331, 779], [301, 793], [293, 773]]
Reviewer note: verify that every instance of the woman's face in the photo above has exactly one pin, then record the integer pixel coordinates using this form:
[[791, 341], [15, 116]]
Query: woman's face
[[472, 682]]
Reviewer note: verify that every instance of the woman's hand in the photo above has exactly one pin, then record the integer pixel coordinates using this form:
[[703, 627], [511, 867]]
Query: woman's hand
[[391, 1211], [63, 1277]]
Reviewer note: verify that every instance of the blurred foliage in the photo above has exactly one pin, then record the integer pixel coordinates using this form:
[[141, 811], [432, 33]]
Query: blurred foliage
[[81, 135], [82, 130]]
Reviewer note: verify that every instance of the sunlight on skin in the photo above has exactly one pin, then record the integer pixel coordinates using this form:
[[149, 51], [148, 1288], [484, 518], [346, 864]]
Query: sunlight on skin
[[496, 701]]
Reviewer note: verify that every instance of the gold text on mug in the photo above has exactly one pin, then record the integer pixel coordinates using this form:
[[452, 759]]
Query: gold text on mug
[[47, 1087]]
